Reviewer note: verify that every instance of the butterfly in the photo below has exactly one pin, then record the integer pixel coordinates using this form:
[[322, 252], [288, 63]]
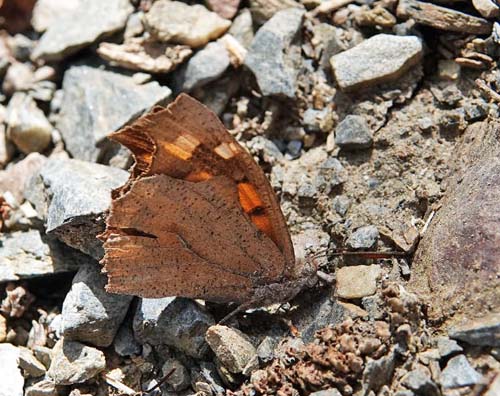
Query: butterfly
[[198, 217]]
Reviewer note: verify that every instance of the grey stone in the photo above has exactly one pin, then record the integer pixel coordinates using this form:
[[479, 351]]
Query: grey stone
[[42, 388], [317, 120], [484, 331], [177, 22], [242, 28], [273, 56], [125, 343], [27, 126], [134, 27], [176, 322], [207, 374], [84, 25], [357, 281], [341, 204], [75, 363], [31, 366], [89, 313], [216, 95], [205, 66], [363, 238], [19, 77], [47, 12], [89, 112], [379, 59], [43, 354], [179, 380], [10, 375], [353, 133], [232, 348], [458, 372], [21, 47], [331, 173], [447, 347], [379, 372], [326, 392], [419, 381], [27, 254], [57, 193], [328, 38], [265, 350]]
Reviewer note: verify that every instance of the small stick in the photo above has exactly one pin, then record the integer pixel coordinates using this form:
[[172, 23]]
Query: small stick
[[163, 380], [371, 255]]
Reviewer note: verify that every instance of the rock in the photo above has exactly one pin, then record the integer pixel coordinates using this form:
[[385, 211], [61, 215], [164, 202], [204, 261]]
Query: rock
[[225, 8], [377, 16], [43, 354], [89, 313], [19, 77], [263, 10], [7, 149], [84, 25], [90, 112], [442, 18], [308, 241], [483, 331], [75, 363], [47, 12], [458, 372], [28, 254], [448, 69], [493, 387], [363, 238], [3, 329], [357, 281], [124, 343], [21, 47], [326, 392], [232, 348], [216, 95], [341, 204], [10, 375], [447, 347], [15, 177], [420, 382], [205, 66], [27, 126], [353, 133], [274, 56], [242, 28], [379, 372], [145, 55], [42, 388], [176, 22], [379, 59], [177, 322], [31, 366], [179, 380], [457, 260], [487, 8], [57, 193]]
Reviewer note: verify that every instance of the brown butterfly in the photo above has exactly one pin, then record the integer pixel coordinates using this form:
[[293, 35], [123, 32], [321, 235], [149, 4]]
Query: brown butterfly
[[197, 217]]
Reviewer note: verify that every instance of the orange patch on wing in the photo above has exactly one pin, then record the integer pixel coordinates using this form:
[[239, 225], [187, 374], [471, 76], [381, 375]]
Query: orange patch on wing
[[182, 147], [198, 176], [263, 222], [249, 199]]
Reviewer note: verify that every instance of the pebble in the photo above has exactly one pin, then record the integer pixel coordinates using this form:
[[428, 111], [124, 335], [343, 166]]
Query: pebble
[[27, 126], [75, 363], [447, 347], [11, 379], [483, 331], [43, 354], [177, 322], [31, 366], [134, 27], [57, 192], [487, 8], [458, 372], [176, 22], [28, 254], [326, 392], [419, 381], [308, 241], [42, 388], [232, 348], [82, 26], [341, 204], [442, 18], [363, 238], [7, 149], [179, 380], [277, 75], [47, 12], [89, 313], [19, 77], [242, 28], [379, 59], [263, 10], [225, 8], [145, 55], [89, 112], [448, 69], [205, 66], [357, 281], [21, 47], [16, 176], [125, 343], [353, 133], [379, 372]]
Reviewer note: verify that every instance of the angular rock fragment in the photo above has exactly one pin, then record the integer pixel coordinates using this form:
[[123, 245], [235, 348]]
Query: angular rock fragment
[[363, 238], [89, 112], [487, 8], [458, 372], [47, 12], [72, 196], [89, 313], [27, 126], [274, 58], [205, 66], [145, 55], [357, 281], [242, 28], [15, 177], [484, 331], [89, 22], [225, 8], [231, 347], [442, 18], [28, 254], [379, 59], [31, 366], [177, 322], [11, 379], [263, 10], [353, 133], [176, 22], [75, 363]]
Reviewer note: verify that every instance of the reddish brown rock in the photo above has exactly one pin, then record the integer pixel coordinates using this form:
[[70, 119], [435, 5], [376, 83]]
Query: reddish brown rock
[[457, 263]]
